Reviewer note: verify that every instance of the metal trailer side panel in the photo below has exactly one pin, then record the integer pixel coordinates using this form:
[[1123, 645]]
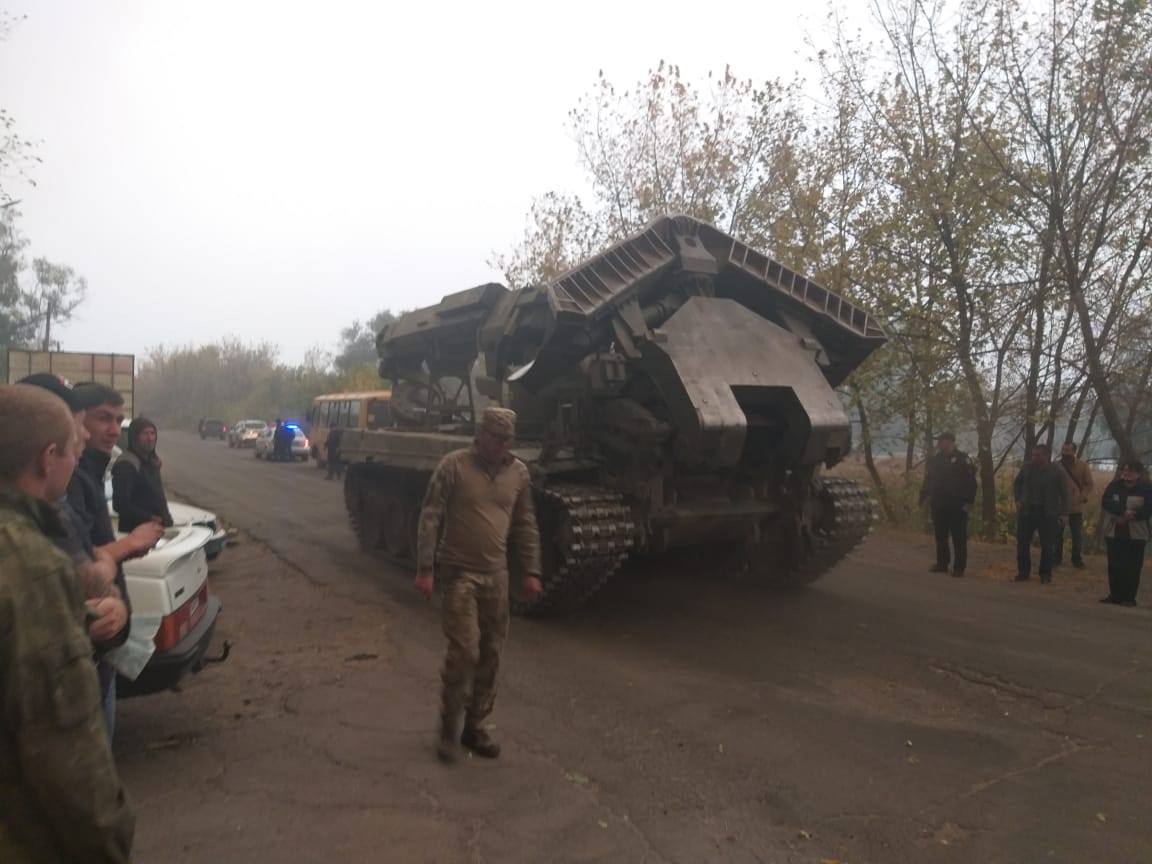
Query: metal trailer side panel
[[117, 371]]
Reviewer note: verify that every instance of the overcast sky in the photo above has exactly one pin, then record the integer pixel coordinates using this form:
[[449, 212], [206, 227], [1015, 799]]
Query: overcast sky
[[274, 170]]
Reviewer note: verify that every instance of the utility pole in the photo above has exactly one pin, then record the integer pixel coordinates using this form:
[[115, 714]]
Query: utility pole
[[48, 327]]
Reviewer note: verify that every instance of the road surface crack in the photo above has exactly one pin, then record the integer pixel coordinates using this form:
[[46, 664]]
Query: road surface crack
[[1071, 749]]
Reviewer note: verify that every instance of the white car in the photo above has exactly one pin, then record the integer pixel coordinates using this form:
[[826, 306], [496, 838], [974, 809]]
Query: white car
[[244, 433], [170, 585], [300, 447]]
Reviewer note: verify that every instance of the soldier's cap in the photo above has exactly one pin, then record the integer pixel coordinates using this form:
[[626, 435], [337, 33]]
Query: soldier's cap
[[499, 421], [946, 436], [56, 385]]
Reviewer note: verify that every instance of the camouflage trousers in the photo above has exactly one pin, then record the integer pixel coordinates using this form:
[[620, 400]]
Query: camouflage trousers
[[475, 622]]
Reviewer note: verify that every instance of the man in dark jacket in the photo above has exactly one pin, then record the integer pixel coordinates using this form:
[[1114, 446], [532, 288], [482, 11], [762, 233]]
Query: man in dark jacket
[[332, 445], [137, 490], [1127, 505], [1041, 498], [88, 537], [950, 487], [279, 436]]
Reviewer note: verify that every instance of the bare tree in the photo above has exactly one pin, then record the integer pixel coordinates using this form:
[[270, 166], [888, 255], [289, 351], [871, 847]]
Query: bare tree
[[57, 293], [1079, 84]]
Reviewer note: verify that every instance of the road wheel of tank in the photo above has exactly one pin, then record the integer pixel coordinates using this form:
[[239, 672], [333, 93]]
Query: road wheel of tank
[[842, 513], [363, 503], [586, 533], [400, 515]]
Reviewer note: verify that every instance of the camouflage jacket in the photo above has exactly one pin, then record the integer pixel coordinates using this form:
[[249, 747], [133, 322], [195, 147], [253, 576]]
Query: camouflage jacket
[[61, 799], [473, 512]]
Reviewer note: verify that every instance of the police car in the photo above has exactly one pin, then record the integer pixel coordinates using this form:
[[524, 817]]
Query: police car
[[301, 449]]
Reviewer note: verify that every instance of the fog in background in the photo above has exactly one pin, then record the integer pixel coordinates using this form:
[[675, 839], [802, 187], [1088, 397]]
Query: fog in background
[[274, 170]]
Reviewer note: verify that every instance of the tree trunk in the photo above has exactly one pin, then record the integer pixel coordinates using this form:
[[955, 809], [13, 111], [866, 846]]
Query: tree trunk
[[1138, 399], [869, 460], [1097, 373], [1086, 437], [1074, 417], [48, 327], [1035, 356], [910, 450]]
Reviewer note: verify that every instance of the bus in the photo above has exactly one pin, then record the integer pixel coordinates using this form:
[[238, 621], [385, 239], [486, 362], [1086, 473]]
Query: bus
[[371, 409]]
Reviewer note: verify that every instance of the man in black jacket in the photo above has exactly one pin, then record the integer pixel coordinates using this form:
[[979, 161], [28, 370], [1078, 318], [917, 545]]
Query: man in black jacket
[[84, 510], [1041, 499], [950, 487], [137, 490]]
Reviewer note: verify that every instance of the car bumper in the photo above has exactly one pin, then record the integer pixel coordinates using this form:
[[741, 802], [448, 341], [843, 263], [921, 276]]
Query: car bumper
[[215, 546], [167, 668]]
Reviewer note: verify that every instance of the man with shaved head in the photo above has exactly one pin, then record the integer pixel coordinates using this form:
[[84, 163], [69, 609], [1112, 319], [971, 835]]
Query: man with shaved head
[[477, 509], [62, 798]]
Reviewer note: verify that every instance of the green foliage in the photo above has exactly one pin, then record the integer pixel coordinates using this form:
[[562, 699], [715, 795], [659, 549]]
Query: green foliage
[[14, 327], [358, 342]]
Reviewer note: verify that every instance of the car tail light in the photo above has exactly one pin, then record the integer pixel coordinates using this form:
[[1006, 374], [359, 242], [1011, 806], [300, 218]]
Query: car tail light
[[180, 623]]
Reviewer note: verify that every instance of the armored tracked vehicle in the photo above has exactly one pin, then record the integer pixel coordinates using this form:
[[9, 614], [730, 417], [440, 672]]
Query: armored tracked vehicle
[[674, 391]]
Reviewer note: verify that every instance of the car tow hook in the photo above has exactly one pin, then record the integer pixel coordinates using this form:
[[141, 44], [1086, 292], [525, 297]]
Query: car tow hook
[[224, 652]]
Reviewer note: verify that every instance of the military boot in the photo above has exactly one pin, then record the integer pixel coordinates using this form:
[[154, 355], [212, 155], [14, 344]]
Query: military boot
[[448, 742], [476, 739]]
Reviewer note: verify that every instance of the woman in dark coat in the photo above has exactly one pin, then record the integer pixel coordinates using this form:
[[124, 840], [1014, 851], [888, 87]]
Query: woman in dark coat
[[1127, 507], [137, 490]]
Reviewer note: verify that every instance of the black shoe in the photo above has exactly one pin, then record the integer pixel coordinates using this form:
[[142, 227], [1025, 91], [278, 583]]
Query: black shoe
[[1079, 565], [958, 573], [1131, 604], [477, 740], [938, 568], [1021, 577], [1109, 599], [1044, 580]]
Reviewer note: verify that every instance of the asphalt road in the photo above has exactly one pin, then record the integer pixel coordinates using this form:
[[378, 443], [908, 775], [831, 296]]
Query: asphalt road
[[885, 715]]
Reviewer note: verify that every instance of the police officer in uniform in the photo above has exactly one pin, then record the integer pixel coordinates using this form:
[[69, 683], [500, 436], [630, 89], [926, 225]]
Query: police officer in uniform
[[950, 488], [478, 504]]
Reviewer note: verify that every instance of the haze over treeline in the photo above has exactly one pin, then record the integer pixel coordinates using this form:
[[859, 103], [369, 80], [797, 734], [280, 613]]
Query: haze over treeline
[[234, 380], [977, 174]]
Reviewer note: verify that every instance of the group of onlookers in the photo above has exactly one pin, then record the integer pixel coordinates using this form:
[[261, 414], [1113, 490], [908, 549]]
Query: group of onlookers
[[1050, 500], [65, 613]]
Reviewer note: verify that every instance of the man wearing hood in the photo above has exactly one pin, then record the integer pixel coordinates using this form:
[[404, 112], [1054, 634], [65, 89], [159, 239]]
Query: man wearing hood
[[137, 490]]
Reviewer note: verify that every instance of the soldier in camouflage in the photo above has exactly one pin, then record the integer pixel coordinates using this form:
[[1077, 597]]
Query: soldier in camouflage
[[61, 799], [479, 500]]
